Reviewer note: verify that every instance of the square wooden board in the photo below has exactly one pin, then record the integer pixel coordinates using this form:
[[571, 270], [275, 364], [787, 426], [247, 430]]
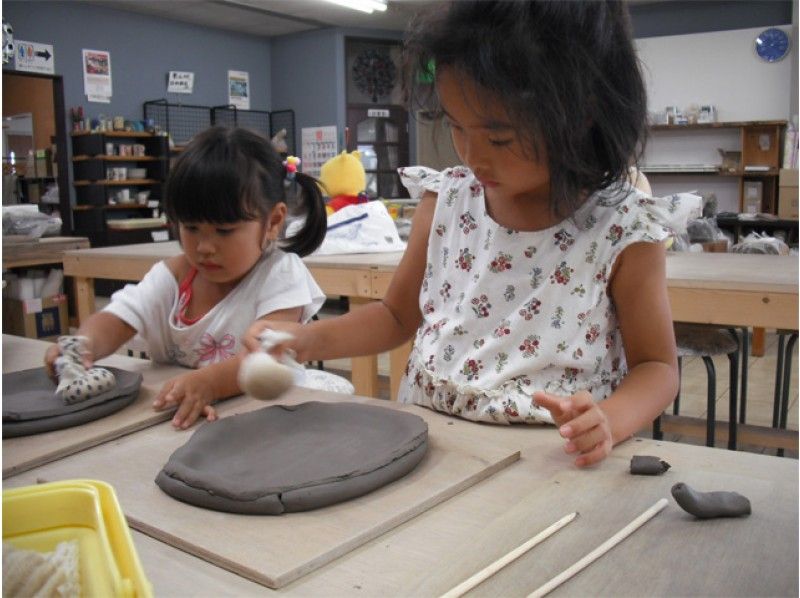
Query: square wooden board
[[274, 551]]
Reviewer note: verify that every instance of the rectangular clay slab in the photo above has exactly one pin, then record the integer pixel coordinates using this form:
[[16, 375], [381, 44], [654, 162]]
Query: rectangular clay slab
[[274, 551]]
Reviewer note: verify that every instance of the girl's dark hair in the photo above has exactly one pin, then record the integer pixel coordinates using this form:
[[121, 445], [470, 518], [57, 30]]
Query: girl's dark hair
[[229, 175], [567, 72]]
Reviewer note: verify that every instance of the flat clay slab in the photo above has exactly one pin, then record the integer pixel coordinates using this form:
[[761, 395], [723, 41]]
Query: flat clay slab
[[30, 405], [287, 458], [275, 551]]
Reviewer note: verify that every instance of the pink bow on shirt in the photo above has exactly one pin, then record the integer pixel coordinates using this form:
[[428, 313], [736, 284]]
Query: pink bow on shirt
[[211, 351]]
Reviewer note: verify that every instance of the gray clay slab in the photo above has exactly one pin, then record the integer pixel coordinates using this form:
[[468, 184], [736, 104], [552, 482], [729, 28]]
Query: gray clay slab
[[30, 405], [294, 457]]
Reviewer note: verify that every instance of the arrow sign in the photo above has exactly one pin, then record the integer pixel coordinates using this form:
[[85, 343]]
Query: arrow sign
[[34, 57]]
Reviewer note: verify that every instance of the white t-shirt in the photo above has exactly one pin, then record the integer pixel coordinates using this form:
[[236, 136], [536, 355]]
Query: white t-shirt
[[279, 280], [506, 312]]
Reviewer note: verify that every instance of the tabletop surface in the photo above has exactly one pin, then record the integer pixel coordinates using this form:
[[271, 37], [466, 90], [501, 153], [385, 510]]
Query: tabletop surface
[[707, 270], [673, 554]]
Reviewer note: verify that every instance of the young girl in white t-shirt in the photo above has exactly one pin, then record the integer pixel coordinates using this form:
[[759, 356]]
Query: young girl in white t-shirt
[[534, 279], [226, 195]]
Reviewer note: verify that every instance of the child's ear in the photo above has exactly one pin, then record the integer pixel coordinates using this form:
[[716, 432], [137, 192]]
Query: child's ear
[[276, 219]]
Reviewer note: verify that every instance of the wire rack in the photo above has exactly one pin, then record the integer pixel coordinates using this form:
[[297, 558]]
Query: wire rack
[[181, 121]]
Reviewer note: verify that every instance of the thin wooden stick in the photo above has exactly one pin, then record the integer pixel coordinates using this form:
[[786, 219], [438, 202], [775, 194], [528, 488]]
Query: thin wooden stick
[[600, 550], [490, 570]]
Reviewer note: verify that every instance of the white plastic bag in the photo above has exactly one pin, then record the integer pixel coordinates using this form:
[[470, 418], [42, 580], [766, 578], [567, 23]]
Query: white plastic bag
[[361, 228]]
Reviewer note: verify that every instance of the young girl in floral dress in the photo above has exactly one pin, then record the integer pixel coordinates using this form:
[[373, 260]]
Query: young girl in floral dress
[[534, 279]]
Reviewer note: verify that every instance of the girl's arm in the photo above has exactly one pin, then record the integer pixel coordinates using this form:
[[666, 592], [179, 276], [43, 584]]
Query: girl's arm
[[196, 390], [639, 290], [106, 333], [376, 327]]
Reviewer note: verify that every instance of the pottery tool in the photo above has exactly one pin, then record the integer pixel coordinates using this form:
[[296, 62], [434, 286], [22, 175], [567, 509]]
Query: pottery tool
[[261, 375], [600, 550], [493, 568]]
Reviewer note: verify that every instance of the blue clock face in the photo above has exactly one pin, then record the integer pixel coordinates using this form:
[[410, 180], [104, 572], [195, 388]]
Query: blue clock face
[[772, 44]]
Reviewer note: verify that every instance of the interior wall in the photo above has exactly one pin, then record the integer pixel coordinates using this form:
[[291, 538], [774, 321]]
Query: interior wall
[[143, 50], [23, 94], [719, 68]]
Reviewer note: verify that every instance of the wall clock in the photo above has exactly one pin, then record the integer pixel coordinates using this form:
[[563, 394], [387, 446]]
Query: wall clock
[[374, 73], [772, 44]]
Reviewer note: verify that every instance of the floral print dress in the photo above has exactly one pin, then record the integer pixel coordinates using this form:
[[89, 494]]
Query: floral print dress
[[506, 312]]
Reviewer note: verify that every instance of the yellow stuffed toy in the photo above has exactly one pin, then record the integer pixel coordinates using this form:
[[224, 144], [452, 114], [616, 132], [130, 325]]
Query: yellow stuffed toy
[[344, 181]]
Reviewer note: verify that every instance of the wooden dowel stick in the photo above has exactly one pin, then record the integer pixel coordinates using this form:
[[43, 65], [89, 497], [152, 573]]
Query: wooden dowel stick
[[600, 550], [490, 570]]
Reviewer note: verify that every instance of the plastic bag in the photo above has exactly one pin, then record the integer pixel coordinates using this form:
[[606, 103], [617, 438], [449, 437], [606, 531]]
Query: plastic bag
[[27, 220], [361, 228], [761, 243]]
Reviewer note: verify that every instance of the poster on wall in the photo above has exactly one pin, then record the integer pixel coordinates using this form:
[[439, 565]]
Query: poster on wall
[[239, 89], [318, 146], [97, 75], [180, 82]]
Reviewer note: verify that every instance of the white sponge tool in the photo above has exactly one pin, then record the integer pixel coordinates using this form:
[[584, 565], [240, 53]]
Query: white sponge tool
[[262, 377]]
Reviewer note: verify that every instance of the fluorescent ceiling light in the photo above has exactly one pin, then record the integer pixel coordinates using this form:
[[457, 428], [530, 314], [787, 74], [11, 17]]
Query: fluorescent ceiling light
[[367, 6]]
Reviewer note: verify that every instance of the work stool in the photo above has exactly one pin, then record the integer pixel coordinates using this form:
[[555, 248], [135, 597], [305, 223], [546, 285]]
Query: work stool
[[697, 340], [783, 377]]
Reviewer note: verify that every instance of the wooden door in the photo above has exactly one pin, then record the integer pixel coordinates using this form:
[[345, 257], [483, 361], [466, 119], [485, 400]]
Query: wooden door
[[380, 134]]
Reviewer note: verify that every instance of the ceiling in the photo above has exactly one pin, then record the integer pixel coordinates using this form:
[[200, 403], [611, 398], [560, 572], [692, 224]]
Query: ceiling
[[269, 18]]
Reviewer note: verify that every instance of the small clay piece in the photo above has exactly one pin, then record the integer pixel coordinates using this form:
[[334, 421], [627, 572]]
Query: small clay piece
[[262, 377], [648, 465], [708, 505]]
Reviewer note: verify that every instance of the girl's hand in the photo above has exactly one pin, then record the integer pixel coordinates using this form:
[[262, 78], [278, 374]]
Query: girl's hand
[[253, 344], [193, 396], [581, 421], [54, 352]]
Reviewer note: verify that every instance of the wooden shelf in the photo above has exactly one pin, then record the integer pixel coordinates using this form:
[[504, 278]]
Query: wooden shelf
[[773, 172], [121, 183], [719, 125], [116, 158], [123, 206], [136, 134]]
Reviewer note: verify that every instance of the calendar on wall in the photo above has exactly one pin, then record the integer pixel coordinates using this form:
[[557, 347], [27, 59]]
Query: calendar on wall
[[318, 146]]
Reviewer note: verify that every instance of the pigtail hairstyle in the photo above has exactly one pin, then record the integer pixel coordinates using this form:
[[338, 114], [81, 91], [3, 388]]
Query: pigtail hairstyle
[[566, 71], [228, 175]]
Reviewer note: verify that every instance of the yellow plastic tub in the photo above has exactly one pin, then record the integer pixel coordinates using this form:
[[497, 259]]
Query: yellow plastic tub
[[40, 517]]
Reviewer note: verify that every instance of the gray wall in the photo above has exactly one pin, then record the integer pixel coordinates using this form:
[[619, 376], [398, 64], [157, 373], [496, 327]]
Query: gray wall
[[143, 50]]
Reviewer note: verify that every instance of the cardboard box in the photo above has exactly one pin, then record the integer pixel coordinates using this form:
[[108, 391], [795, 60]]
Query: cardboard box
[[787, 194], [36, 318]]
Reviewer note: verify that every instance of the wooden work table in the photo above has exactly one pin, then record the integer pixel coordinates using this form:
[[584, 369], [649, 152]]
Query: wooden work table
[[710, 288], [21, 252], [671, 555]]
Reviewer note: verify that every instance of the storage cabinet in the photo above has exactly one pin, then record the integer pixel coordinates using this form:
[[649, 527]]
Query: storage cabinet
[[751, 159], [119, 179]]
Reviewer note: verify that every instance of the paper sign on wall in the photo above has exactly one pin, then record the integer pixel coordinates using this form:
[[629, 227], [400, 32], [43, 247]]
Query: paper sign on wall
[[180, 82], [318, 146], [97, 75], [239, 89], [34, 57]]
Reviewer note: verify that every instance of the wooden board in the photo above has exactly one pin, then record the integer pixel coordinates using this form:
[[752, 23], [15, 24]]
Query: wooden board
[[26, 452], [274, 551]]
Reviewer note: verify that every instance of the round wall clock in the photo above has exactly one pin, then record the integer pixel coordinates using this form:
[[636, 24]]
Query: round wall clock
[[374, 73], [772, 44]]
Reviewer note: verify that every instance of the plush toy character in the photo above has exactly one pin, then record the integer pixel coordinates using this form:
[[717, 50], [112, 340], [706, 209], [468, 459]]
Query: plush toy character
[[344, 180]]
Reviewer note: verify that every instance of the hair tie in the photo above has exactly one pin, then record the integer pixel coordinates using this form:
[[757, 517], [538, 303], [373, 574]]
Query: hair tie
[[290, 164]]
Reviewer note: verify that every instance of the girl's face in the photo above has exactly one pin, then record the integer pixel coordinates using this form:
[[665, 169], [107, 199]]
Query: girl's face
[[487, 142], [225, 253]]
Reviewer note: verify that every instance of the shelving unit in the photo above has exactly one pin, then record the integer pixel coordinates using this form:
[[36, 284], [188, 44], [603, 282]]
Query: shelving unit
[[99, 197], [759, 146]]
